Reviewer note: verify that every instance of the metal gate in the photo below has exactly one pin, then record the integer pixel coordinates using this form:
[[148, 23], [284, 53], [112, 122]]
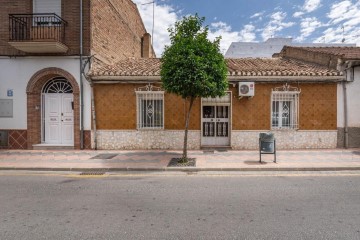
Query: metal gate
[[215, 121]]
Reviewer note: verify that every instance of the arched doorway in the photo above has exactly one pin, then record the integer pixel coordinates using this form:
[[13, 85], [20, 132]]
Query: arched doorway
[[51, 81], [57, 112]]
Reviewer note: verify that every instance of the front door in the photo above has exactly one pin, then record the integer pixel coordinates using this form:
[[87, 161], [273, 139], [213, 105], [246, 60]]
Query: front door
[[58, 118], [215, 129]]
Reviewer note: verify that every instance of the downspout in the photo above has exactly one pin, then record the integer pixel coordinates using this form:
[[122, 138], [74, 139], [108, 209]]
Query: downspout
[[346, 133], [93, 113], [81, 80]]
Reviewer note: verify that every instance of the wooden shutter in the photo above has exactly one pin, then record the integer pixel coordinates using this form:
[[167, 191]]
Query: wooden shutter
[[47, 6]]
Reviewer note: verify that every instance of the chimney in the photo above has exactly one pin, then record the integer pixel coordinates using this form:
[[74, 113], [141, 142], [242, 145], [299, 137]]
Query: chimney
[[146, 46]]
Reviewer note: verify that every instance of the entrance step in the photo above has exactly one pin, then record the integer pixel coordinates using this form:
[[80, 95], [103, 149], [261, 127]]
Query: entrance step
[[52, 147], [216, 148]]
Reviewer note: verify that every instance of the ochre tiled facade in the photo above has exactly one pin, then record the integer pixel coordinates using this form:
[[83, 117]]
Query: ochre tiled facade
[[116, 108]]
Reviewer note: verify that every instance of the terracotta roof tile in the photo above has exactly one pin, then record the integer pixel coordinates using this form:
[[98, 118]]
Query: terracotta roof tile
[[236, 67]]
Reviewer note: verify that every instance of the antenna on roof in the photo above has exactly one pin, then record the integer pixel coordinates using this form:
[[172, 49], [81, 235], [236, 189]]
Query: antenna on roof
[[152, 30], [343, 40]]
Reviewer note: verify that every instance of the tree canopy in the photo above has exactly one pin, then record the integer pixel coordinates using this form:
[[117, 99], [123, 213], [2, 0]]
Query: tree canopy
[[192, 66]]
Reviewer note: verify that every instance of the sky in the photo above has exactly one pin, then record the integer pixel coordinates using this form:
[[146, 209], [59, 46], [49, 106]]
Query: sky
[[308, 21]]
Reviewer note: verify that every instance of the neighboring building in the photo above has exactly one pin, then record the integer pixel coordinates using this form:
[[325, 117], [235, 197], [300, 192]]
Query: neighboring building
[[270, 46], [45, 46], [347, 60], [294, 99]]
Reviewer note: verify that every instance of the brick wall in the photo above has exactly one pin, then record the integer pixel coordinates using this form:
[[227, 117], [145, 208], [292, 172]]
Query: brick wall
[[70, 13], [308, 56], [116, 30]]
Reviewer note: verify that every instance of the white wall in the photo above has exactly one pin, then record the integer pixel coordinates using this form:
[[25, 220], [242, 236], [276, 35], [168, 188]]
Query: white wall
[[15, 74], [353, 101]]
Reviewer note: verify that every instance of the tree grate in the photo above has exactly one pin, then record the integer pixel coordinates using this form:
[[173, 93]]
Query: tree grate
[[176, 162]]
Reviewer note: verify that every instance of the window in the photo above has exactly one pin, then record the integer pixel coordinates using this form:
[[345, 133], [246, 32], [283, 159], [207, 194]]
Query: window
[[285, 108], [150, 108], [47, 6]]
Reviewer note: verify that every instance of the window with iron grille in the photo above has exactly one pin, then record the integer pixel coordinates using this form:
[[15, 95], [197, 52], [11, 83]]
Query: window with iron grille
[[150, 108], [285, 108]]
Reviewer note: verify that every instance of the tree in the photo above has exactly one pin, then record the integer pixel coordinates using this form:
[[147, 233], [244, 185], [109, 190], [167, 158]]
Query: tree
[[192, 66]]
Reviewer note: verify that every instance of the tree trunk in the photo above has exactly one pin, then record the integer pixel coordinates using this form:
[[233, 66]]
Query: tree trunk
[[186, 130]]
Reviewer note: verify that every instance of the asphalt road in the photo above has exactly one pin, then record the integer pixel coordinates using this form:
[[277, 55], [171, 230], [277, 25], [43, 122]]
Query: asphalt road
[[179, 206]]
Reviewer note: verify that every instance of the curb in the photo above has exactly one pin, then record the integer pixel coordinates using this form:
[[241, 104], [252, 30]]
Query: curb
[[183, 169]]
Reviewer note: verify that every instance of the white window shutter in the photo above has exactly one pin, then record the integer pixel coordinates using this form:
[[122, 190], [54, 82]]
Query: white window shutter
[[47, 6]]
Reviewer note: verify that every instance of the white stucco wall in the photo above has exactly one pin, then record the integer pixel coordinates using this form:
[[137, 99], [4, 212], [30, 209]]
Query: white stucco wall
[[15, 74], [353, 101]]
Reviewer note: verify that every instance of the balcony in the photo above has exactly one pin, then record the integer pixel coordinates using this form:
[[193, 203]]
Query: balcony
[[37, 33]]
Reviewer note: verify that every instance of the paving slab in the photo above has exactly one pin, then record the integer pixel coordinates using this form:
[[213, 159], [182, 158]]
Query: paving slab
[[157, 160]]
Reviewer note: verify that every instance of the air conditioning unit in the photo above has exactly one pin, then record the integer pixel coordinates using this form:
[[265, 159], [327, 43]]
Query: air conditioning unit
[[246, 89]]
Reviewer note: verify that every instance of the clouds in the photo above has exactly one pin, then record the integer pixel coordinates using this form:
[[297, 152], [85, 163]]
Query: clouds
[[228, 36], [275, 25], [308, 26], [305, 20], [308, 7], [344, 23], [164, 17]]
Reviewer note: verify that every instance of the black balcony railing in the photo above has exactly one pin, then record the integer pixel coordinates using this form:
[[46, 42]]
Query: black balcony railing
[[37, 27]]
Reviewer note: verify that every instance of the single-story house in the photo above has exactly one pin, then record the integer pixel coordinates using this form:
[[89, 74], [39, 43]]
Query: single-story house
[[294, 99]]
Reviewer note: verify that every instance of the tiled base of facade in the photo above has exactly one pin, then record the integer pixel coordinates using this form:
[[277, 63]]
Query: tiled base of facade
[[16, 139], [249, 140], [354, 137], [133, 139]]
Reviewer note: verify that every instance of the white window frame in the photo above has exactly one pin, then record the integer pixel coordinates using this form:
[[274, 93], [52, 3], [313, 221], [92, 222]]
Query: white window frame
[[285, 101], [149, 97]]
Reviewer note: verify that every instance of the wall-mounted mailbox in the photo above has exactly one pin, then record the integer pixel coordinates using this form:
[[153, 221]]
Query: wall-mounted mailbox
[[6, 108]]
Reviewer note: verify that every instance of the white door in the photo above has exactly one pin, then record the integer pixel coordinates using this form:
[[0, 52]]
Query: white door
[[215, 124], [59, 119]]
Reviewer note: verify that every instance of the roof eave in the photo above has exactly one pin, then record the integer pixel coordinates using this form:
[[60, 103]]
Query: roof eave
[[139, 79]]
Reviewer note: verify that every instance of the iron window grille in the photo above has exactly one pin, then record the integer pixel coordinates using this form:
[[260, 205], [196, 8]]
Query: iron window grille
[[285, 108], [150, 107]]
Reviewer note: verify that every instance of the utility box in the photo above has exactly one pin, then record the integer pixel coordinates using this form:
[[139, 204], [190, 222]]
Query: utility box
[[3, 138], [267, 144]]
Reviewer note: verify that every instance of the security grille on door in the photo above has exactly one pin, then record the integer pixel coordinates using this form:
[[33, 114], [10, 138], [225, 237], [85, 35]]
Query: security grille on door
[[285, 107], [150, 107], [215, 121]]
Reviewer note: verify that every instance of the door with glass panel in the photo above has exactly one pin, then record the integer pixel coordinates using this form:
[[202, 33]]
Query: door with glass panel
[[215, 125]]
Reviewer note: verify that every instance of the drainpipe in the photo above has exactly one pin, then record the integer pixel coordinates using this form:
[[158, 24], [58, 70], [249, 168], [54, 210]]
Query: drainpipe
[[81, 80], [88, 78], [93, 113], [346, 133]]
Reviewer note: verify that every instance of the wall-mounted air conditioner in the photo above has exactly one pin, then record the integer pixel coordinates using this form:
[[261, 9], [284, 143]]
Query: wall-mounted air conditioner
[[246, 89]]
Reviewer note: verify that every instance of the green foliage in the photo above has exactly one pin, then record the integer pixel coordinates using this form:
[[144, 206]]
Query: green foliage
[[192, 66]]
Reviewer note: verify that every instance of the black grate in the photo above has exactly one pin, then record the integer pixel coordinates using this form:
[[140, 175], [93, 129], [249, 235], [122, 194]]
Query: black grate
[[93, 173], [104, 156]]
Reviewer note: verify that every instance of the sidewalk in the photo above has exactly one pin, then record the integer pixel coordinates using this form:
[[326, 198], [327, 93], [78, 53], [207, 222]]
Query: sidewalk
[[157, 160]]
